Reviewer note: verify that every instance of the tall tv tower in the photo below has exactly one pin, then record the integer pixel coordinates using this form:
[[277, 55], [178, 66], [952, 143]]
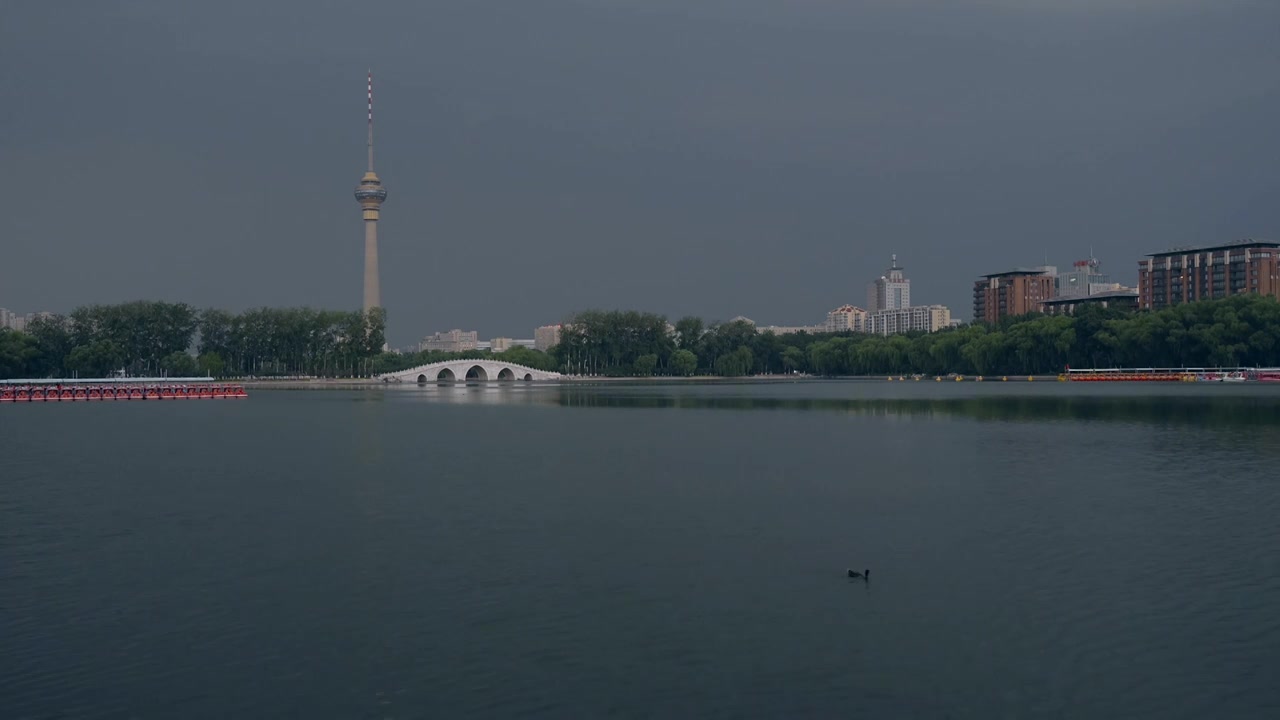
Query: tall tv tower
[[370, 194]]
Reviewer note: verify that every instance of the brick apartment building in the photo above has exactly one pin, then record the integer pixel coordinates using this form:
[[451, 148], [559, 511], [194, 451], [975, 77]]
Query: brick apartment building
[[1011, 293], [1185, 275]]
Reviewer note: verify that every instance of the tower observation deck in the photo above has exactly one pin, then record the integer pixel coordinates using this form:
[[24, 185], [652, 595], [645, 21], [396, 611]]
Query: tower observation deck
[[370, 194]]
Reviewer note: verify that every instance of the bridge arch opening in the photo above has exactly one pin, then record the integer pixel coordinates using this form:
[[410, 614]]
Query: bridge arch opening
[[527, 377], [505, 375], [422, 379], [475, 372], [446, 375]]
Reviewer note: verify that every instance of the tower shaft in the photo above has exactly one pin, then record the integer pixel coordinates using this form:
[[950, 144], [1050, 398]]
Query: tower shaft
[[372, 287]]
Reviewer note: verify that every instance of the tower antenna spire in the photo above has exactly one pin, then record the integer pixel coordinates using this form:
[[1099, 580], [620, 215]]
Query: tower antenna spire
[[371, 120]]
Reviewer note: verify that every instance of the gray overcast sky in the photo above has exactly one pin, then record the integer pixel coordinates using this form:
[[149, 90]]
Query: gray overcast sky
[[717, 158]]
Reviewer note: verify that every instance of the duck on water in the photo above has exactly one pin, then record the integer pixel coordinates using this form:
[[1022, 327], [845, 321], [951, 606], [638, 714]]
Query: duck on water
[[864, 575]]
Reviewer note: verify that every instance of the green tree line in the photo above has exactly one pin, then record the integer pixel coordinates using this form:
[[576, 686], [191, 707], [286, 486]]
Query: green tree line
[[175, 339], [149, 338], [1237, 331], [154, 338]]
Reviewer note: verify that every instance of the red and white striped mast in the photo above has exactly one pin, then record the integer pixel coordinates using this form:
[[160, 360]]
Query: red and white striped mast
[[371, 120]]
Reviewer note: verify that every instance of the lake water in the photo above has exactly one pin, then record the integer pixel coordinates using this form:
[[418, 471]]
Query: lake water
[[1036, 550]]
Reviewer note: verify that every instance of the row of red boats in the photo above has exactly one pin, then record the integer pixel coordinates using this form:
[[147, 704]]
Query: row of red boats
[[88, 392]]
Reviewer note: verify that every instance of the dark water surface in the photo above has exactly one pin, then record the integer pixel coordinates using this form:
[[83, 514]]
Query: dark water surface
[[1038, 550]]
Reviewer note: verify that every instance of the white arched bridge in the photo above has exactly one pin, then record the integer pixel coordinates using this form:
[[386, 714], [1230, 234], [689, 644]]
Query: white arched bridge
[[469, 371]]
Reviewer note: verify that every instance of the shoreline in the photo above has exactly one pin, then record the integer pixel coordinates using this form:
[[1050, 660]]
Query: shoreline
[[369, 383], [372, 382], [336, 383]]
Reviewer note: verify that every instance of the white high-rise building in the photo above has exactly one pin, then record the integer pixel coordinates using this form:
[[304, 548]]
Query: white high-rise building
[[923, 318], [891, 291]]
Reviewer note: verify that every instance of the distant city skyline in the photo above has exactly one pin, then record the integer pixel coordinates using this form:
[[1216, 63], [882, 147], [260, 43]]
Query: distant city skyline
[[750, 158], [12, 320]]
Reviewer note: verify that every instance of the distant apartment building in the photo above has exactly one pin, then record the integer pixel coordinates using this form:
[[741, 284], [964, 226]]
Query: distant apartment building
[[1183, 275], [891, 291], [1012, 293], [847, 318], [546, 337], [452, 341], [921, 318]]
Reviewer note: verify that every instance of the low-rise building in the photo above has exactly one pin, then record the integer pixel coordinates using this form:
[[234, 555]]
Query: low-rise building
[[1118, 298], [503, 344], [452, 341], [792, 329]]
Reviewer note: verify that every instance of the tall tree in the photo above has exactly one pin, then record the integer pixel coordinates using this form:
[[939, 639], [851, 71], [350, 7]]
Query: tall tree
[[19, 354], [54, 341]]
